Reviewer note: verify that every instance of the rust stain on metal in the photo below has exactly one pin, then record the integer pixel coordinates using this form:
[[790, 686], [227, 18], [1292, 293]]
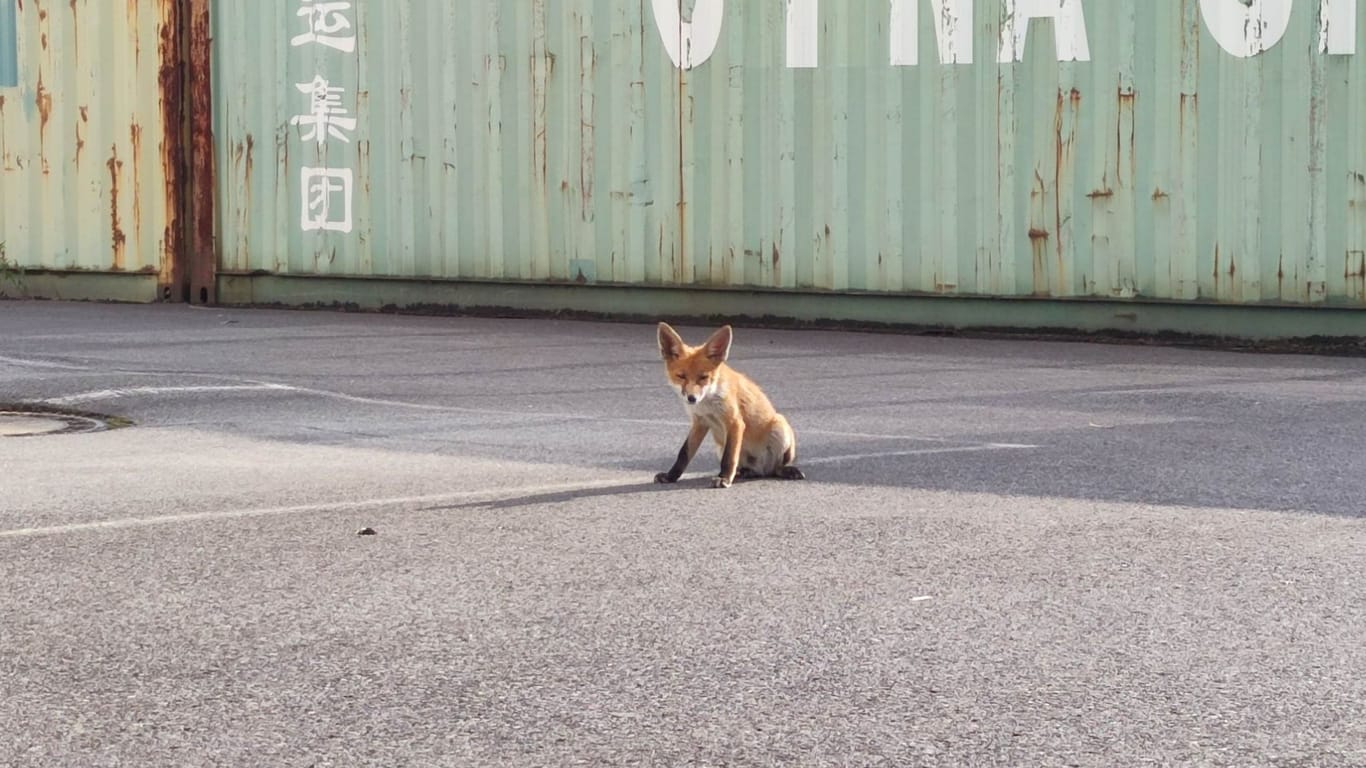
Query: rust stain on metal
[[135, 136], [75, 30], [1159, 194], [43, 98], [1038, 244], [682, 170], [1066, 132], [249, 163], [174, 276], [80, 137], [542, 67], [1189, 110], [587, 128], [363, 163], [1127, 99], [1354, 272], [201, 182], [133, 24], [243, 165], [115, 166]]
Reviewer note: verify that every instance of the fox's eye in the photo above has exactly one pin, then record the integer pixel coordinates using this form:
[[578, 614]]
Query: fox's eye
[[703, 380], [682, 377]]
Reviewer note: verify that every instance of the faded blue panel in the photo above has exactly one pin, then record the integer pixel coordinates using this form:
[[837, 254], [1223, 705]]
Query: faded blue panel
[[9, 45]]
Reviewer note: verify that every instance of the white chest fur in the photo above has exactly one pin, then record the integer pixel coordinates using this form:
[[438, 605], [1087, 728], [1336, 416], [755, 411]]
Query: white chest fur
[[711, 410]]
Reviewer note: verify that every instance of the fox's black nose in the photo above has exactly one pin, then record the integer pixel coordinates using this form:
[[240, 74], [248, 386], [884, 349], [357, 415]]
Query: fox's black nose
[[692, 398]]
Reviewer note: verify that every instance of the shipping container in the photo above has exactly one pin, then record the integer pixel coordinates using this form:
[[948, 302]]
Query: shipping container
[[1172, 165]]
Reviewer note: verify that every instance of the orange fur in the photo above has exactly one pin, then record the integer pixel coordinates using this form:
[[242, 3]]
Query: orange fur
[[751, 437]]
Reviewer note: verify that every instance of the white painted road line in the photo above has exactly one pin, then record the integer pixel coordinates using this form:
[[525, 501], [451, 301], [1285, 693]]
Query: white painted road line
[[492, 495], [114, 394], [914, 452], [24, 363]]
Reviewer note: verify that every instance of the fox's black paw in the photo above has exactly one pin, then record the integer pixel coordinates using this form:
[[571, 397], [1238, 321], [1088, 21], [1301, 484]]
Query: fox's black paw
[[790, 472], [663, 477], [745, 473]]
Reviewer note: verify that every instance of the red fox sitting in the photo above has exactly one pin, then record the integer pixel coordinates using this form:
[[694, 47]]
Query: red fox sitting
[[752, 438]]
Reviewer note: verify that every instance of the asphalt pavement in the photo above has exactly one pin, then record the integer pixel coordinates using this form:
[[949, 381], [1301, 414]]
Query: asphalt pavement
[[1007, 553]]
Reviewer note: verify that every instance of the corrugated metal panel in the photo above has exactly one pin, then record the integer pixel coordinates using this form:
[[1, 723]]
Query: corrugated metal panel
[[83, 165], [556, 140]]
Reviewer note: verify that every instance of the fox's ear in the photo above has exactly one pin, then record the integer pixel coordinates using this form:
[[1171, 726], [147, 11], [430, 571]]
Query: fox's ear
[[671, 346], [718, 346]]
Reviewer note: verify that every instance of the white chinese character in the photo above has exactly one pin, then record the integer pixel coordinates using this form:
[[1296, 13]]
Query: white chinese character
[[325, 20], [320, 189], [326, 113]]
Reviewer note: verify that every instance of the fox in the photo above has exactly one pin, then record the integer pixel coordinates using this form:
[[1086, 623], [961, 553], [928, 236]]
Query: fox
[[752, 439]]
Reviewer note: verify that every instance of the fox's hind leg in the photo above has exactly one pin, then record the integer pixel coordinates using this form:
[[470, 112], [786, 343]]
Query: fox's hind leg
[[787, 469]]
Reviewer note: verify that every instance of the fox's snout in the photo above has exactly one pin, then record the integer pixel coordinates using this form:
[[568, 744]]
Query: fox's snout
[[691, 393]]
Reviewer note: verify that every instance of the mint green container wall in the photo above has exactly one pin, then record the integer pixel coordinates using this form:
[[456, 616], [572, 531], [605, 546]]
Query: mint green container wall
[[555, 140]]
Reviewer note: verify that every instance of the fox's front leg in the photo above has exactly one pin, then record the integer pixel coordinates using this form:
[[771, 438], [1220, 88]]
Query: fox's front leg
[[695, 437], [730, 454]]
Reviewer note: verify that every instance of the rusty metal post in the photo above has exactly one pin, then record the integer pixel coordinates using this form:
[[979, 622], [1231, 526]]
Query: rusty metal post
[[173, 281], [201, 187]]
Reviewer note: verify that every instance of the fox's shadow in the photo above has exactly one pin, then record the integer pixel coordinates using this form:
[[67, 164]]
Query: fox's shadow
[[558, 497], [697, 482]]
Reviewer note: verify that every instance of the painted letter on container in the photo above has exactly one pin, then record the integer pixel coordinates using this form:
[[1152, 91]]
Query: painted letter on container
[[1246, 28], [690, 43], [1069, 29], [1338, 33], [953, 21]]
